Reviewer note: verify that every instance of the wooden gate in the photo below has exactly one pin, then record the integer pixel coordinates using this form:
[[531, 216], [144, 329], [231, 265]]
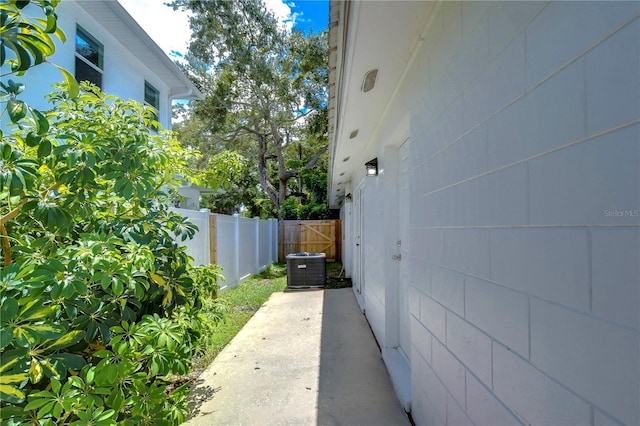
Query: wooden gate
[[319, 236]]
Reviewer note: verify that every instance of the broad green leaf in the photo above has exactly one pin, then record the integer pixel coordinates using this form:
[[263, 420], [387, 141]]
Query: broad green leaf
[[71, 338], [53, 369], [33, 139], [117, 286], [74, 88], [16, 109], [24, 337], [6, 336], [46, 330], [9, 309], [51, 23], [158, 279], [116, 399], [36, 403], [6, 379], [6, 365], [36, 372], [42, 124], [33, 310], [103, 417], [69, 361], [23, 60], [44, 149], [11, 394]]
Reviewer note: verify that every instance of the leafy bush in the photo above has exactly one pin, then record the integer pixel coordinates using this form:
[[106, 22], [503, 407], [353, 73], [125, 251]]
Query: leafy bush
[[98, 301]]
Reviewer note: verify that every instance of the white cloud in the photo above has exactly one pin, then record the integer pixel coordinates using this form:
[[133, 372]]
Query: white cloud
[[282, 12], [170, 29]]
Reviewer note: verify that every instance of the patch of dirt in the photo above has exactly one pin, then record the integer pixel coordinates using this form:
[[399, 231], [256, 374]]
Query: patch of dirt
[[338, 283]]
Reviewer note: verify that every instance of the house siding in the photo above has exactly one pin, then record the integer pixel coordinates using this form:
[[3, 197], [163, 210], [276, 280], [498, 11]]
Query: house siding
[[524, 168], [123, 74]]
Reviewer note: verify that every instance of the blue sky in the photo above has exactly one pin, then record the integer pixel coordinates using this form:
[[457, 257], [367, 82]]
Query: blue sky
[[313, 15], [170, 29]]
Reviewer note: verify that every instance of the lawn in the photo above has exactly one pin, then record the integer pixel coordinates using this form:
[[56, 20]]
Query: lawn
[[243, 301]]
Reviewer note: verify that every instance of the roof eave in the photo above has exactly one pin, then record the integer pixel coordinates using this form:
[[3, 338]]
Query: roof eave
[[183, 88]]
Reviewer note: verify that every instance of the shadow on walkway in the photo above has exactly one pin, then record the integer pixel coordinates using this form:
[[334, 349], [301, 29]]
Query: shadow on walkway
[[354, 387], [305, 358]]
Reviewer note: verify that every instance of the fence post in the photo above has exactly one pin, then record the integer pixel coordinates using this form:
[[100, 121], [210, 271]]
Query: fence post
[[236, 247], [276, 239], [270, 242], [204, 214], [213, 239], [256, 242]]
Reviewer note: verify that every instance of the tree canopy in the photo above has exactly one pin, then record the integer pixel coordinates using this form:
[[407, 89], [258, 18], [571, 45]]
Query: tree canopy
[[266, 94]]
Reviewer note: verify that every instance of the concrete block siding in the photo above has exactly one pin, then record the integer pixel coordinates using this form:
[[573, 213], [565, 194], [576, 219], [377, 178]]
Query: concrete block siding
[[524, 227]]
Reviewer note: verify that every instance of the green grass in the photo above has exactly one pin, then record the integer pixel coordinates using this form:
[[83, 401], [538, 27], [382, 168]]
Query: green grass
[[243, 301]]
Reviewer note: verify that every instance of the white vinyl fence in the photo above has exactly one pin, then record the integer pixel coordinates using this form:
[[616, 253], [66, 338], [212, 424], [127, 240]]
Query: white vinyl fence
[[241, 246]]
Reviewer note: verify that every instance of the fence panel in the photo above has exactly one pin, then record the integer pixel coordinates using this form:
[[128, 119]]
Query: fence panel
[[198, 247], [227, 249], [321, 236], [246, 239], [264, 244], [241, 246]]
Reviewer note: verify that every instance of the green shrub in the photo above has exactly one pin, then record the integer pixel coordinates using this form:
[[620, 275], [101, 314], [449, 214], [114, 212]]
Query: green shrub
[[98, 301]]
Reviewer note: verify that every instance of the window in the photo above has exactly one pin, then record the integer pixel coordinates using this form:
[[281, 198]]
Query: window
[[152, 99], [151, 96], [89, 57]]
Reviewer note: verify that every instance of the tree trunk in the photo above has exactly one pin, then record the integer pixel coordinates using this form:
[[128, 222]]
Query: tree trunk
[[271, 191]]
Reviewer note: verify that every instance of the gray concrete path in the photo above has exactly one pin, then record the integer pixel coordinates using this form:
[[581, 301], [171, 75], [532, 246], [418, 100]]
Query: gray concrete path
[[305, 358]]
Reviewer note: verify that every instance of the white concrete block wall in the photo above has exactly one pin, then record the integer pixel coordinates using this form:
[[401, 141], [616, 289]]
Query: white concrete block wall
[[524, 225], [374, 254]]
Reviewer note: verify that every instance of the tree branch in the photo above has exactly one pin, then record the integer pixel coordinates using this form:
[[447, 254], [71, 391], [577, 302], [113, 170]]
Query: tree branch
[[316, 157], [6, 245]]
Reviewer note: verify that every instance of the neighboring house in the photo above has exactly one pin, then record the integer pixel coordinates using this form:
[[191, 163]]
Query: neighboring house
[[496, 251], [190, 194], [106, 46]]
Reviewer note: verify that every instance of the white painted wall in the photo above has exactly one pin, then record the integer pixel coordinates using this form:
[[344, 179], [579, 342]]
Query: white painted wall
[[524, 234], [191, 197], [123, 75]]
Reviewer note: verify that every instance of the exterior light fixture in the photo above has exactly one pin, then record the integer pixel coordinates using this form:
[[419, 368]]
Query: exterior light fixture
[[353, 134], [369, 80], [372, 167]]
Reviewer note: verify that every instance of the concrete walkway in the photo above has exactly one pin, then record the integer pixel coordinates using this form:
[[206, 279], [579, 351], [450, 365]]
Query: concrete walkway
[[305, 358]]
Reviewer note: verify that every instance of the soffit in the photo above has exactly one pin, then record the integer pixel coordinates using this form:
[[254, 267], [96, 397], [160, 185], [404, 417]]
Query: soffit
[[365, 35]]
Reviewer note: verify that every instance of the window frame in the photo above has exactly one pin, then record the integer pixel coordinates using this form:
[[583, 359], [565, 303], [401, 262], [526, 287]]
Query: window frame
[[149, 104], [88, 38]]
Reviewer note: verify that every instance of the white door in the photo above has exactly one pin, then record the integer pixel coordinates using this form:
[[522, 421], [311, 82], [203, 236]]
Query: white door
[[404, 323], [358, 249]]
